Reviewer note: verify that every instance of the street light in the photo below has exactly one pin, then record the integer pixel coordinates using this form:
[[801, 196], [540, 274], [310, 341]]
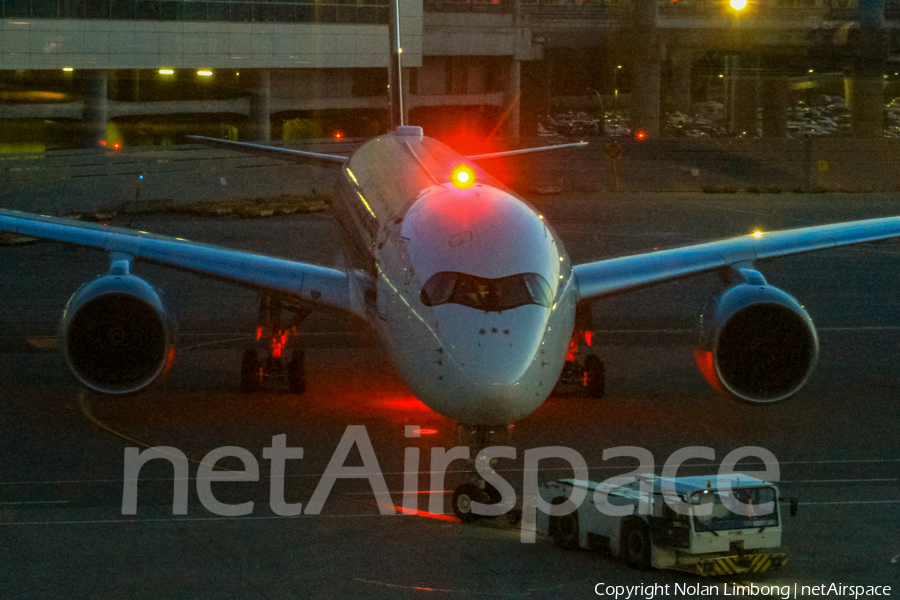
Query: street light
[[738, 4]]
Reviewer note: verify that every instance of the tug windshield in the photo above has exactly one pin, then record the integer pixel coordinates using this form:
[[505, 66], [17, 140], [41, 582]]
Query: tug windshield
[[725, 513], [504, 293]]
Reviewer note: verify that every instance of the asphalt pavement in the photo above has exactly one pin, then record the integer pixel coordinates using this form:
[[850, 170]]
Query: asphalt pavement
[[63, 450]]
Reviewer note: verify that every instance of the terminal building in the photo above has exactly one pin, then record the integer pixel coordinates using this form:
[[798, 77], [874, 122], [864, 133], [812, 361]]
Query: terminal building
[[149, 71]]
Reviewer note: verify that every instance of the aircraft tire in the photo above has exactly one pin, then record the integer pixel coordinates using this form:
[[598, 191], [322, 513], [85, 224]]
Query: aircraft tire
[[594, 377], [251, 371], [297, 372], [463, 496]]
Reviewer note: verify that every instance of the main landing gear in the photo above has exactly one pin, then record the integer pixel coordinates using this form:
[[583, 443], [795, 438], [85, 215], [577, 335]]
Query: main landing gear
[[267, 360], [588, 373], [476, 489]]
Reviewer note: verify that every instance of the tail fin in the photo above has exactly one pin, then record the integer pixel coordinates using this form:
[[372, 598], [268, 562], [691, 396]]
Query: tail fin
[[395, 76]]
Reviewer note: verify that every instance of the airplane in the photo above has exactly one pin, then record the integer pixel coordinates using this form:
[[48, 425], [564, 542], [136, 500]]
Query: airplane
[[467, 285]]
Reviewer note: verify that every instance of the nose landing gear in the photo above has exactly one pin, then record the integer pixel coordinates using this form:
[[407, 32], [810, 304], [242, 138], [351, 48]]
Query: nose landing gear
[[265, 361], [476, 489]]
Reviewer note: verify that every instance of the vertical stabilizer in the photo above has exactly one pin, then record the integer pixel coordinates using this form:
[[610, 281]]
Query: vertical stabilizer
[[395, 76]]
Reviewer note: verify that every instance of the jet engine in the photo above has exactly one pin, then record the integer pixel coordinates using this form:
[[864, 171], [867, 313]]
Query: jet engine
[[116, 334], [756, 342]]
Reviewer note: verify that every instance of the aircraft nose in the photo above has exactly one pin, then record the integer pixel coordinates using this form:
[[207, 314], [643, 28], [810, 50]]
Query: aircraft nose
[[495, 350]]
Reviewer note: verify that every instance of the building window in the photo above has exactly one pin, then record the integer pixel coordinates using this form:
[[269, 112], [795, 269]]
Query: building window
[[369, 82]]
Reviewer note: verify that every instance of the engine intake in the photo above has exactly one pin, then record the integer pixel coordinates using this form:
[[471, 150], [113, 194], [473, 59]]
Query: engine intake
[[116, 334], [757, 343]]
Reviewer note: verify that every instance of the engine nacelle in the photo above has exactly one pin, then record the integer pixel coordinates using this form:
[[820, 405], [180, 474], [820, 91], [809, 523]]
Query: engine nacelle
[[116, 334], [757, 343]]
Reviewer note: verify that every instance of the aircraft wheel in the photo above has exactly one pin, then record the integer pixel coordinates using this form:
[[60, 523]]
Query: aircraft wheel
[[594, 377], [493, 494], [251, 371], [463, 497], [636, 545], [563, 529], [296, 372]]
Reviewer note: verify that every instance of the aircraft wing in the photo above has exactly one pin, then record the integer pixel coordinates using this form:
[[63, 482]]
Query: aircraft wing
[[299, 156], [526, 151], [299, 281], [616, 275]]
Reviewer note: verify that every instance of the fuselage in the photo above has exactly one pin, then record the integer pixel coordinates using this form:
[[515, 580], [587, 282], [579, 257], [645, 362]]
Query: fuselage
[[474, 297]]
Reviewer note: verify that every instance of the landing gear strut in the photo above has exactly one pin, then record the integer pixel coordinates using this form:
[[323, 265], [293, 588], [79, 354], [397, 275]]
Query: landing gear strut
[[476, 489], [265, 361]]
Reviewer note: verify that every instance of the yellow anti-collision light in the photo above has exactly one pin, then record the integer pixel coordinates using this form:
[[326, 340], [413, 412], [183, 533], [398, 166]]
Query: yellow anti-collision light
[[462, 176]]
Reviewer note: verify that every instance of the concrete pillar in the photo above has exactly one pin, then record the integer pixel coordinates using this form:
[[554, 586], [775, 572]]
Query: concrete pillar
[[260, 128], [865, 88], [745, 99], [645, 69], [678, 98], [96, 108], [534, 97], [511, 96], [865, 97], [776, 98]]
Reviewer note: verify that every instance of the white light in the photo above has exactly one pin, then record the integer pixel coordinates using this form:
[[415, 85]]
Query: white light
[[166, 72], [204, 73], [738, 4], [68, 69]]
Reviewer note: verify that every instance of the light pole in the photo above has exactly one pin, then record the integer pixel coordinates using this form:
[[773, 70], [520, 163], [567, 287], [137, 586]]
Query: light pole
[[616, 84], [733, 67]]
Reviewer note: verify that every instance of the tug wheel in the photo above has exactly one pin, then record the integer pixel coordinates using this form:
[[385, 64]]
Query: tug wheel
[[563, 529], [636, 545]]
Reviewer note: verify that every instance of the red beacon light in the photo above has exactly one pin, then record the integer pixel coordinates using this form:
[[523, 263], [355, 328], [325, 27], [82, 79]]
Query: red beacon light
[[338, 135], [462, 176], [640, 134]]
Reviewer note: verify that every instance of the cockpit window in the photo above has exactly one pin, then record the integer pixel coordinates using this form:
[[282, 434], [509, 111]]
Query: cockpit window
[[504, 293]]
